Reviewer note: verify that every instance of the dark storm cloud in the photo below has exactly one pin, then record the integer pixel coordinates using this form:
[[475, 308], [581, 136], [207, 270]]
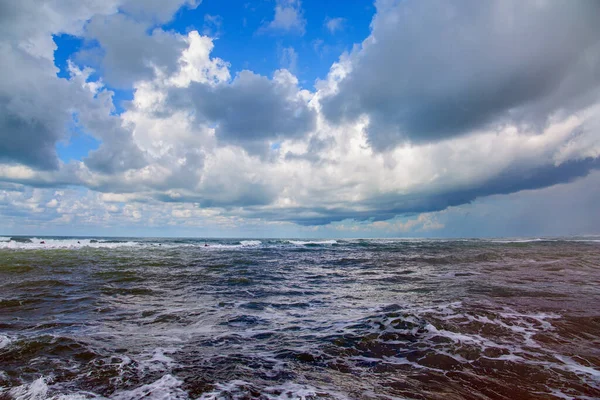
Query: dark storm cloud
[[129, 53], [316, 147], [435, 69], [114, 158], [34, 109], [381, 208], [11, 187], [247, 195], [155, 11], [26, 140], [250, 110]]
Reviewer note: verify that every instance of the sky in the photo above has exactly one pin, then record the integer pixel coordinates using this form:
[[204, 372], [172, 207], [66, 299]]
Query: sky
[[289, 118]]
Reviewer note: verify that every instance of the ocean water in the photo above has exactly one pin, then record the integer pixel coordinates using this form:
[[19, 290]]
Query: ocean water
[[166, 319]]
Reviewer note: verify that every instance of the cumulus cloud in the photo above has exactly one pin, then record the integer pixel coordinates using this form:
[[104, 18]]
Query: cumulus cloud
[[155, 11], [334, 25], [127, 53], [36, 106], [288, 18], [251, 109], [212, 25], [433, 70], [288, 58], [439, 107]]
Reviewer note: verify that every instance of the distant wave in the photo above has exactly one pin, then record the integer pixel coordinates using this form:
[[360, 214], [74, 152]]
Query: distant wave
[[20, 239], [312, 242], [248, 243], [38, 243], [34, 243], [517, 240]]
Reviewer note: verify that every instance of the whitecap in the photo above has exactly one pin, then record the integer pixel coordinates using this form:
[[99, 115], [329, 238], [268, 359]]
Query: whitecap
[[45, 243], [239, 389], [247, 243], [4, 341], [304, 243], [36, 390], [167, 387]]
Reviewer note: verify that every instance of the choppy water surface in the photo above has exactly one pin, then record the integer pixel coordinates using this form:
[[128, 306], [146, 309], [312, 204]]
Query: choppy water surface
[[416, 319]]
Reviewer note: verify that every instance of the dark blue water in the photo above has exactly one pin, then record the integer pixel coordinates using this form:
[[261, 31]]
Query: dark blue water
[[100, 318]]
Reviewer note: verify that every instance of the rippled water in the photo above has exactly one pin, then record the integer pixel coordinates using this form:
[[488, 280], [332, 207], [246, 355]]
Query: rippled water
[[415, 319]]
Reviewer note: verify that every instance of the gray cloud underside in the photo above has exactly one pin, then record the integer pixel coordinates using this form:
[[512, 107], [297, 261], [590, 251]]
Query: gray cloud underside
[[434, 70], [18, 135], [252, 194], [34, 111], [249, 111], [155, 11], [123, 61], [37, 107], [381, 208], [252, 200]]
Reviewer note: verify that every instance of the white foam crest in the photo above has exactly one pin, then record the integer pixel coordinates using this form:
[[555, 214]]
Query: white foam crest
[[517, 240], [159, 360], [575, 367], [241, 244], [4, 238], [36, 390], [557, 393], [78, 396], [249, 243], [121, 363], [510, 357], [238, 389], [43, 243], [166, 388], [221, 246], [304, 243], [4, 341], [462, 338], [517, 341]]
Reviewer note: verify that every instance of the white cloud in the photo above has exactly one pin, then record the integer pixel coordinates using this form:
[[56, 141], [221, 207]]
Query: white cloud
[[288, 58], [431, 71], [52, 203], [212, 25], [124, 62], [334, 24], [288, 18], [197, 146]]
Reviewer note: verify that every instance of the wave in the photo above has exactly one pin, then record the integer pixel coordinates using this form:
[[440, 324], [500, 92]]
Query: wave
[[4, 341], [45, 243], [20, 239], [170, 387], [239, 389], [167, 387], [517, 240], [72, 243], [535, 240], [312, 242], [248, 243]]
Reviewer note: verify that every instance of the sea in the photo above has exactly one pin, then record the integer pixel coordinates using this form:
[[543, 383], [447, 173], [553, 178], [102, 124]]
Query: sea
[[158, 319]]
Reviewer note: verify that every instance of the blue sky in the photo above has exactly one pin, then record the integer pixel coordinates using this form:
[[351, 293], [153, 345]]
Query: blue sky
[[241, 39], [300, 118]]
